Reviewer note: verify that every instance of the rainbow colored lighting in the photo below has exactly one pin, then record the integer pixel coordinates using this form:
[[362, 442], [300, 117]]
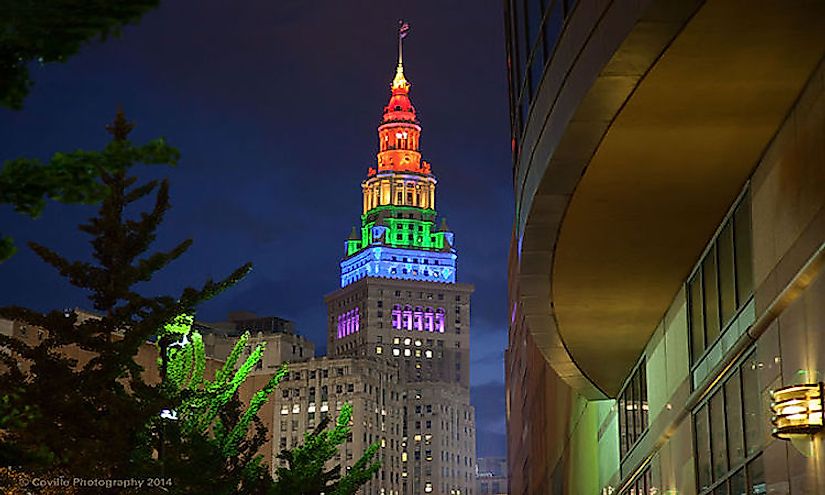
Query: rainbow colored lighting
[[398, 237]]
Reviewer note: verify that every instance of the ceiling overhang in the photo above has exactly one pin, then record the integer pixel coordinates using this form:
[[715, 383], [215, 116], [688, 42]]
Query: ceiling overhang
[[646, 169]]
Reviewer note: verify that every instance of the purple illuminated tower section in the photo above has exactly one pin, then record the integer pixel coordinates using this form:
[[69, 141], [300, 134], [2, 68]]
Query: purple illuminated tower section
[[348, 322]]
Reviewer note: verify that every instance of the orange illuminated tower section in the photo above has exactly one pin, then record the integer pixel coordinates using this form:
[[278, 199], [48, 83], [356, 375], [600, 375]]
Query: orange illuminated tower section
[[399, 133]]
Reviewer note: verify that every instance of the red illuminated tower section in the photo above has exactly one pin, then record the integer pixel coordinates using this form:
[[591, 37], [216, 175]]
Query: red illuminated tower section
[[399, 135], [399, 302]]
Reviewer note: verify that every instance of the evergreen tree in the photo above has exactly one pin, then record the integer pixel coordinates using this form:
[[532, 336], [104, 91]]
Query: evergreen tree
[[86, 414], [71, 178]]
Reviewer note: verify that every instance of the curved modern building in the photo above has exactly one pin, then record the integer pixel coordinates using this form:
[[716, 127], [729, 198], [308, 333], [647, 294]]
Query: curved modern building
[[666, 283]]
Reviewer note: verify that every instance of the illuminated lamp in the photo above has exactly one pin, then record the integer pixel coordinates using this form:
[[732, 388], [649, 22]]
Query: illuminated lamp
[[797, 410]]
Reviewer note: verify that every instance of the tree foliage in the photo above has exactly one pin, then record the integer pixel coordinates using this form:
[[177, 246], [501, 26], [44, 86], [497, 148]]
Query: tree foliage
[[45, 31], [306, 471], [26, 183], [75, 391], [205, 428]]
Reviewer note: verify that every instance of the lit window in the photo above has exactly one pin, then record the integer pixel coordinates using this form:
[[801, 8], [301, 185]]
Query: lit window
[[407, 352], [407, 341], [379, 349], [396, 341], [296, 408], [418, 343], [284, 410], [428, 353], [396, 352]]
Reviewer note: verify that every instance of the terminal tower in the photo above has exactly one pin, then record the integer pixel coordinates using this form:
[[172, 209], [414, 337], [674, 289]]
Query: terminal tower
[[399, 301]]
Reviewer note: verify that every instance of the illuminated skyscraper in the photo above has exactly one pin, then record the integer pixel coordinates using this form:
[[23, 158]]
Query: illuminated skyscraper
[[399, 301]]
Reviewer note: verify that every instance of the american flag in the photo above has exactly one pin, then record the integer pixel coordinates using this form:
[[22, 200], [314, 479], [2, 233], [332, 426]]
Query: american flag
[[403, 29]]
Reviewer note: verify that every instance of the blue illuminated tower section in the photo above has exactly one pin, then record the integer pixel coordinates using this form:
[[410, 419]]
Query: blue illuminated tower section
[[398, 237]]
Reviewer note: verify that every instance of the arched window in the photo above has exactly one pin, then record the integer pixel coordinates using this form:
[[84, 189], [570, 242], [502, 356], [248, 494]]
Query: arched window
[[418, 319], [407, 318], [429, 319], [439, 320]]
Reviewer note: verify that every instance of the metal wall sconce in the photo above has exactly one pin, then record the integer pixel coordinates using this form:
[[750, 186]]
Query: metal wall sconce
[[797, 410]]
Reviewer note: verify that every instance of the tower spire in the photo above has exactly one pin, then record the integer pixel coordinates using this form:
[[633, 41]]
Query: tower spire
[[400, 82]]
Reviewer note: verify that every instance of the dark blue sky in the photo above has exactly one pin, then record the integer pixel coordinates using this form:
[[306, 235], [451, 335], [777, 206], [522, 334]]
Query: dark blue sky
[[274, 107]]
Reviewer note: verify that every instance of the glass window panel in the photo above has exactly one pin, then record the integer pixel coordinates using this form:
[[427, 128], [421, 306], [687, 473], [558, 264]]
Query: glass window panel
[[552, 28], [521, 34], [727, 286], [756, 477], [703, 467], [742, 239], [733, 412], [649, 481], [623, 424], [628, 416], [536, 73], [637, 419], [752, 406], [534, 17], [524, 108], [711, 299], [643, 396], [696, 321], [631, 410], [738, 483], [717, 435]]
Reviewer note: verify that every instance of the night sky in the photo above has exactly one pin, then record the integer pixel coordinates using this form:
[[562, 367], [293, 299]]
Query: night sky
[[274, 106]]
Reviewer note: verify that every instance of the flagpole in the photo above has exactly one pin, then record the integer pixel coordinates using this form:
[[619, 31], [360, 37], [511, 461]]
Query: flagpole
[[400, 48]]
